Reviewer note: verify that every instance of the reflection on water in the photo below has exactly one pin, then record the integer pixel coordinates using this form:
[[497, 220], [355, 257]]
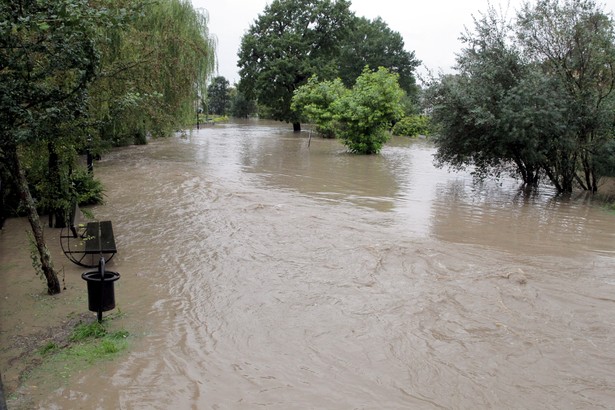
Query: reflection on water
[[274, 274]]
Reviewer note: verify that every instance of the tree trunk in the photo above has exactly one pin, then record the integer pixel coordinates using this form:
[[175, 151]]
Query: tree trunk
[[296, 126], [53, 284], [57, 218]]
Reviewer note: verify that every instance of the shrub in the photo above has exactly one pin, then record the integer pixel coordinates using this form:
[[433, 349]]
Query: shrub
[[412, 126], [89, 190]]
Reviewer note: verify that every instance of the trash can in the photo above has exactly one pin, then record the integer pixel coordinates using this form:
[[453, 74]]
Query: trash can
[[101, 293]]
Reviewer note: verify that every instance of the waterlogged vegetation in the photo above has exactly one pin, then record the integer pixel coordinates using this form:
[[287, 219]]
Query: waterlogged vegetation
[[88, 343], [534, 97], [361, 116], [67, 349]]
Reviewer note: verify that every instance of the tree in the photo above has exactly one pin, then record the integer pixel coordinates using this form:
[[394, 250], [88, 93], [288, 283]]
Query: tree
[[372, 43], [361, 117], [574, 43], [241, 107], [291, 41], [470, 107], [367, 113], [47, 59], [314, 100], [532, 97], [154, 66], [412, 126], [218, 96]]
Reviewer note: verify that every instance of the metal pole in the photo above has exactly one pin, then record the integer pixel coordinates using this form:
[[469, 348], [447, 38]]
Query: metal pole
[[101, 270]]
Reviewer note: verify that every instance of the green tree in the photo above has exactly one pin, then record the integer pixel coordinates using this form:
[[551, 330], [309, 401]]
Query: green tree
[[241, 107], [470, 107], [532, 97], [372, 43], [291, 41], [47, 60], [573, 41], [361, 117], [154, 66], [218, 96], [367, 113], [412, 126], [314, 99]]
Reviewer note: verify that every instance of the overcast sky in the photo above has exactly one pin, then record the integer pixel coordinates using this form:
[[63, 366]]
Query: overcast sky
[[430, 28]]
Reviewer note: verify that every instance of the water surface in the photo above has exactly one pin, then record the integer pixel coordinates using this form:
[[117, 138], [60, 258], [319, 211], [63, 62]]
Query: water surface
[[264, 269]]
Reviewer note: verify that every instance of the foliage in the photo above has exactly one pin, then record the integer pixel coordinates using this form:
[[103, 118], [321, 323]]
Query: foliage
[[574, 42], [532, 97], [154, 68], [367, 113], [470, 108], [218, 96], [88, 190], [372, 43], [314, 101], [57, 191], [77, 75], [288, 43], [412, 126], [361, 117], [241, 106]]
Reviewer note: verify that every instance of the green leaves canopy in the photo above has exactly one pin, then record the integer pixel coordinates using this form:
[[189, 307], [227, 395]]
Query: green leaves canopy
[[218, 96], [295, 40], [372, 43], [533, 97], [362, 116], [287, 44]]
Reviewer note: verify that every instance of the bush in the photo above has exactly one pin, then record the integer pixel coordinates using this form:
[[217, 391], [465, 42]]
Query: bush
[[412, 126], [89, 191]]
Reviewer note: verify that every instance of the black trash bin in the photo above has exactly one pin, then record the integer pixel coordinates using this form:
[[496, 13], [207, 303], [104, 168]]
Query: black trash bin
[[101, 291]]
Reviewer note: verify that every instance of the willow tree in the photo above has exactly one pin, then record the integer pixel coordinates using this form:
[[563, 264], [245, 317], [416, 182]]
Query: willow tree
[[47, 60], [154, 69]]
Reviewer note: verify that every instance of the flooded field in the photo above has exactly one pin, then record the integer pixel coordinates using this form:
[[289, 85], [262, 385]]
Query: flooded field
[[260, 271]]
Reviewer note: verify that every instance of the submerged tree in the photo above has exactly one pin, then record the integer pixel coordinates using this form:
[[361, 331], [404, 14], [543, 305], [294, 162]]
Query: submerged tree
[[361, 116], [532, 97], [573, 41], [314, 101]]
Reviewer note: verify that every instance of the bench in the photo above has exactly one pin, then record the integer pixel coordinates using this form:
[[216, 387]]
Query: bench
[[99, 238], [85, 243]]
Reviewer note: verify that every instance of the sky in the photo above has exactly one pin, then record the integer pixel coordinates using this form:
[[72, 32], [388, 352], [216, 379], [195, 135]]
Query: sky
[[430, 28]]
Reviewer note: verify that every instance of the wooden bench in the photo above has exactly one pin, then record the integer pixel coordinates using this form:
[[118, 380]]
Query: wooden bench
[[85, 243], [99, 238]]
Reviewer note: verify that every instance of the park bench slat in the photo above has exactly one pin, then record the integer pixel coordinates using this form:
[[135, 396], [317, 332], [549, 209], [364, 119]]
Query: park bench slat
[[99, 238], [107, 240]]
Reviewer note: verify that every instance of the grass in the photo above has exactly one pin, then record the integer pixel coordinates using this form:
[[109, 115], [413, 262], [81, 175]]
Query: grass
[[88, 343]]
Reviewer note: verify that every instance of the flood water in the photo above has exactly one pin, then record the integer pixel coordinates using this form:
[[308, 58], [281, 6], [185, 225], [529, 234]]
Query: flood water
[[262, 269]]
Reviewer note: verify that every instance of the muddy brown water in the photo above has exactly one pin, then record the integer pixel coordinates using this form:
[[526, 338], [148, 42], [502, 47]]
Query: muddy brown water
[[260, 272]]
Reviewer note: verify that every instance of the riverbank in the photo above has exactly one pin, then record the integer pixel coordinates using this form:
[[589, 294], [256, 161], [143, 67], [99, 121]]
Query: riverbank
[[37, 332]]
